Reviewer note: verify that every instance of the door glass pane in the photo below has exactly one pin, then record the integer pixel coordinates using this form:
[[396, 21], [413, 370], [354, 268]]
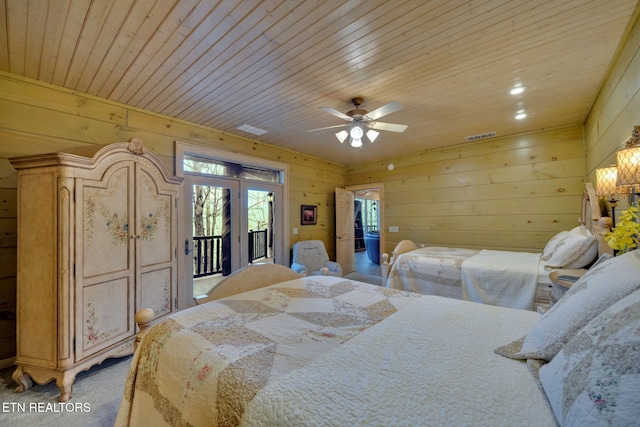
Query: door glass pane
[[211, 233], [260, 225]]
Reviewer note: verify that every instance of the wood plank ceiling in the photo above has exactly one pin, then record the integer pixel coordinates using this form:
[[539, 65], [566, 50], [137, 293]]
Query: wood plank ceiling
[[272, 64]]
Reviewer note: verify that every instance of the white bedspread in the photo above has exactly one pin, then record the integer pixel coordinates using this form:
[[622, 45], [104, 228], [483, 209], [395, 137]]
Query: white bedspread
[[442, 373], [506, 279]]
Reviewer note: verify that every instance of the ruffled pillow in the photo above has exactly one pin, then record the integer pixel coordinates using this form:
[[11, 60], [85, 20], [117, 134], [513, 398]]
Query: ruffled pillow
[[601, 287], [551, 245], [595, 379], [575, 249], [586, 258]]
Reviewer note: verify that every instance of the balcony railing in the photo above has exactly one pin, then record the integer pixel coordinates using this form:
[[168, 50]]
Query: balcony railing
[[257, 245], [207, 256], [207, 252]]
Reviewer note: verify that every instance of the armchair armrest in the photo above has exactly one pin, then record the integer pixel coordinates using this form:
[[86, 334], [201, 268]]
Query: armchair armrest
[[334, 266], [299, 268]]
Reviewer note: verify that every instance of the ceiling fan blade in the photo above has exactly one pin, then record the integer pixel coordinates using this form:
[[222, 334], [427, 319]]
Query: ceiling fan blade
[[337, 113], [389, 108], [392, 127], [329, 127]]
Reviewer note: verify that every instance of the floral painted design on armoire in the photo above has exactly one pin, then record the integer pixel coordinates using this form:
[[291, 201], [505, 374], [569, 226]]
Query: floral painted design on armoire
[[96, 242]]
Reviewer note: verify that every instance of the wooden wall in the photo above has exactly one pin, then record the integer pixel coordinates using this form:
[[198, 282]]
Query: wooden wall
[[617, 107], [503, 193], [41, 118]]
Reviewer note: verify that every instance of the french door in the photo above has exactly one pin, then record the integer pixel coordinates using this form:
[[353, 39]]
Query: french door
[[230, 223], [242, 222]]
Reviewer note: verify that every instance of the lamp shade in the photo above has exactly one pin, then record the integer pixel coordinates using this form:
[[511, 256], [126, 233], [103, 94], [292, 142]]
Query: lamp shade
[[628, 166], [356, 142], [342, 135], [606, 182], [372, 135]]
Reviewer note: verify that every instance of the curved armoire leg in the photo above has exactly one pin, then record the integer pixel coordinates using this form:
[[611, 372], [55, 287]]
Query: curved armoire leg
[[23, 379], [65, 384]]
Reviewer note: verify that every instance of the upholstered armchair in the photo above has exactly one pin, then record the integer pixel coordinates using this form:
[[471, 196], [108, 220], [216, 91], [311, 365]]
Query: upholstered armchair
[[310, 258]]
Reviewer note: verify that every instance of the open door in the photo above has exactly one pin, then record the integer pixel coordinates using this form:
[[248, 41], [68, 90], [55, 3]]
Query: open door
[[344, 229]]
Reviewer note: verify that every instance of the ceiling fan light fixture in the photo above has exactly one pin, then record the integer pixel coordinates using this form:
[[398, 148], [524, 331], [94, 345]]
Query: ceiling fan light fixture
[[361, 123], [372, 134], [342, 136], [356, 132]]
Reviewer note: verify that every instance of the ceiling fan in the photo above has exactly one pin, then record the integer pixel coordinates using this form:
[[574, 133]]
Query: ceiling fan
[[363, 122]]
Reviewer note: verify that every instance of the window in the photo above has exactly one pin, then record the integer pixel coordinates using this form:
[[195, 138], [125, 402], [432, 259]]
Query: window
[[231, 170]]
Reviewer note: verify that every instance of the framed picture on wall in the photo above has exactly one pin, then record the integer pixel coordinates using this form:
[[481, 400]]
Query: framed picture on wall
[[308, 214]]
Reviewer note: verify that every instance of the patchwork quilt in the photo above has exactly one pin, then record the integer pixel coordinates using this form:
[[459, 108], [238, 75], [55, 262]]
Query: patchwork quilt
[[203, 365], [430, 271]]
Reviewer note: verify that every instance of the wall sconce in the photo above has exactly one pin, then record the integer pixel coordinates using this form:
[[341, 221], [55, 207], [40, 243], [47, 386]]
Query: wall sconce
[[623, 177], [628, 164], [606, 185]]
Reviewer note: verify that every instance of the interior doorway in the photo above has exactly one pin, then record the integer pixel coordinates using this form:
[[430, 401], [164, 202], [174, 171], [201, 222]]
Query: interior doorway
[[366, 227], [367, 231]]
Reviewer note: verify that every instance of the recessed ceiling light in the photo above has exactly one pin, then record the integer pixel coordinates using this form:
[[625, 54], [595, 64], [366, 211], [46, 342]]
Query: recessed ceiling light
[[250, 129], [520, 115], [517, 89]]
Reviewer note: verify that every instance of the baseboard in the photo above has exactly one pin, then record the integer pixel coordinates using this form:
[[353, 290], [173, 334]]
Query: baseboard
[[7, 363]]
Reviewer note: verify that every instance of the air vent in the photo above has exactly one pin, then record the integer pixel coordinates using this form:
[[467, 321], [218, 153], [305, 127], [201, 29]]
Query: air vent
[[480, 136], [250, 129]]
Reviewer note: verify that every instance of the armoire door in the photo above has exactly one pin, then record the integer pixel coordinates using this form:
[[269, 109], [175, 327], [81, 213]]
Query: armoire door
[[155, 236], [105, 261]]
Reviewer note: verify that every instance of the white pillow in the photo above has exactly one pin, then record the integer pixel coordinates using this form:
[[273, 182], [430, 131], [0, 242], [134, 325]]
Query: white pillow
[[599, 288], [576, 249], [586, 258], [551, 245], [595, 379]]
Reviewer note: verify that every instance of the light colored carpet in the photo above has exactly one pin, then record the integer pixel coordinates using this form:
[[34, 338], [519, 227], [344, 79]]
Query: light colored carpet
[[95, 402]]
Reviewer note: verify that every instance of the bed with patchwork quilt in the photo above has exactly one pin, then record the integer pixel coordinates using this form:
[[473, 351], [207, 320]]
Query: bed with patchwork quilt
[[516, 279], [318, 351]]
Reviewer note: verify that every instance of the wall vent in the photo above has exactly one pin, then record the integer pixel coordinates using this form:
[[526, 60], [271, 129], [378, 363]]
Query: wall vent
[[480, 136]]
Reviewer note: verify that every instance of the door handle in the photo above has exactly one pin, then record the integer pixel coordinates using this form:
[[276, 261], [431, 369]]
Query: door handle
[[187, 247]]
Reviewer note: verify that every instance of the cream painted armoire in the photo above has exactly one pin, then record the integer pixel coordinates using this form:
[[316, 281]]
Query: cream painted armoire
[[96, 242]]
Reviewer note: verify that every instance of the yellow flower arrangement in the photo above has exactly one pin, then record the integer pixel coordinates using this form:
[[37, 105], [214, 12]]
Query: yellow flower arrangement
[[624, 236]]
